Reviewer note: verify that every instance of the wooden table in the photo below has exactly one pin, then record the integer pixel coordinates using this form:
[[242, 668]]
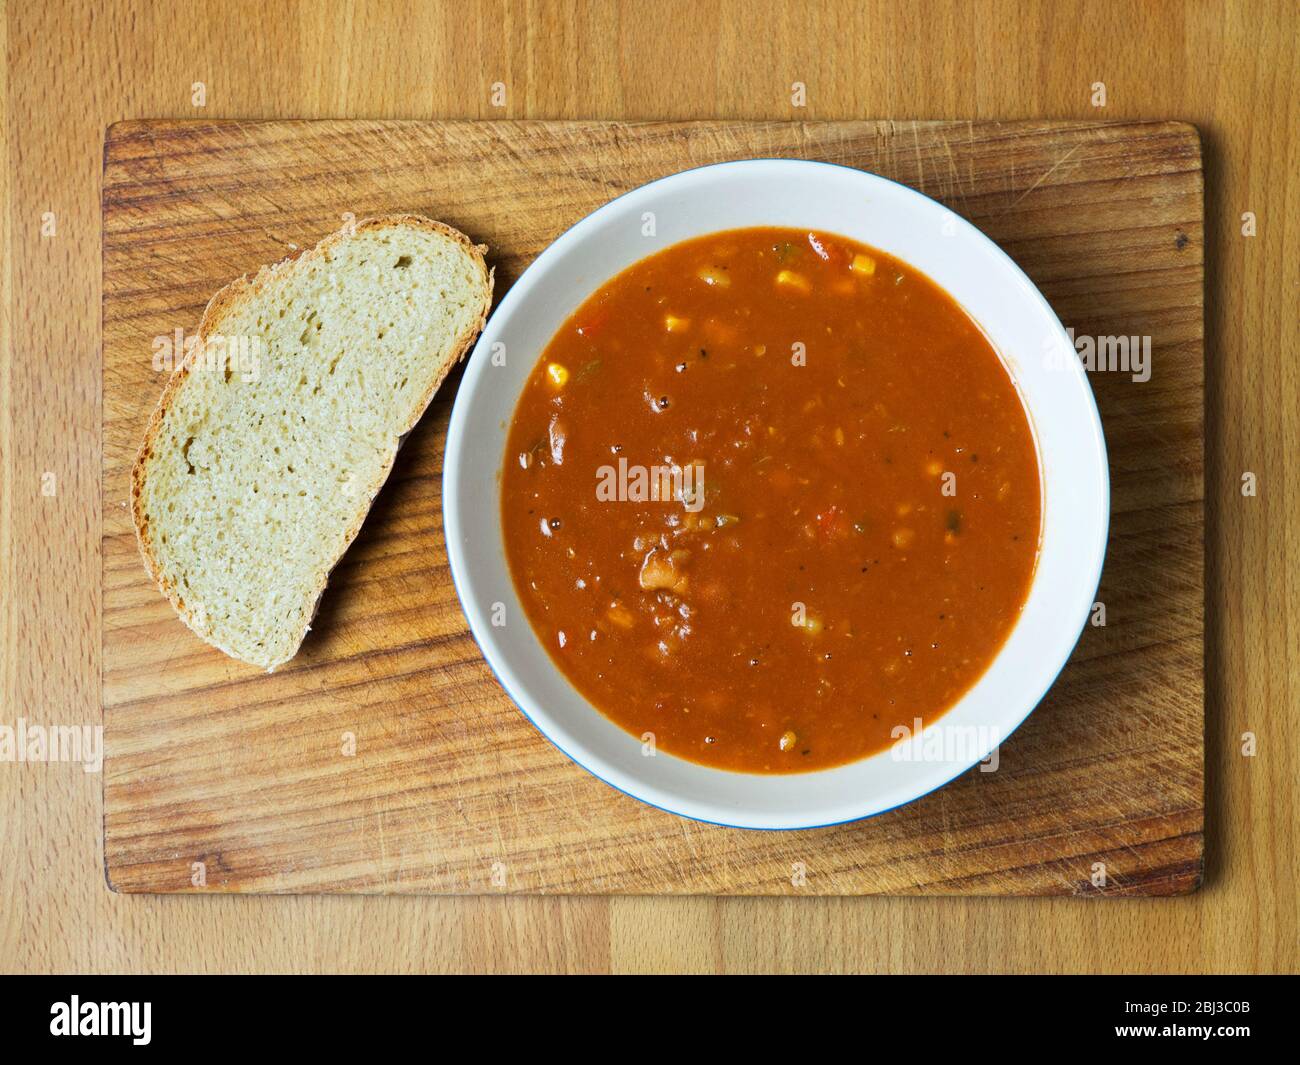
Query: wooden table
[[72, 69]]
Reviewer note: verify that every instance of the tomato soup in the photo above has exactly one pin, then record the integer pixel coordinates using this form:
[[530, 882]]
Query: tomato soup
[[768, 495]]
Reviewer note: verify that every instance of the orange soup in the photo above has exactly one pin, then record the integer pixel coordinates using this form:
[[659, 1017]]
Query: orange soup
[[769, 494]]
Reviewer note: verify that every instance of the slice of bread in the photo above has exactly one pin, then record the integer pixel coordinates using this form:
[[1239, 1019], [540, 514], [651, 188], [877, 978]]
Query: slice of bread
[[274, 435]]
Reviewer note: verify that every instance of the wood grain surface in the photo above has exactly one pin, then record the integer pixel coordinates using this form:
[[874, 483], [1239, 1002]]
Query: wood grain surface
[[72, 69], [385, 758]]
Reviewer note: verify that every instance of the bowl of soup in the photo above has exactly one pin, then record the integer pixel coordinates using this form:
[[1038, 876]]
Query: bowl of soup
[[775, 494]]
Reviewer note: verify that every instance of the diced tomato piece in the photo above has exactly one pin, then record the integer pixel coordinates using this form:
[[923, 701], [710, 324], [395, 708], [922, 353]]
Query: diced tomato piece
[[832, 523], [826, 249]]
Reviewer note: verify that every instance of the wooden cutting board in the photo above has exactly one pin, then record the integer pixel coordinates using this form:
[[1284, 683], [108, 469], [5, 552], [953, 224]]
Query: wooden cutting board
[[385, 758]]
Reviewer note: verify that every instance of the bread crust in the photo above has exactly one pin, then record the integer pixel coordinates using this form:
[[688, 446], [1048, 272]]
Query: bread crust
[[233, 295]]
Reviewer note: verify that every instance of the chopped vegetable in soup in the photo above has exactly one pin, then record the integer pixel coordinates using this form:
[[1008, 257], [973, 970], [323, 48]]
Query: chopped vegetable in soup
[[768, 495]]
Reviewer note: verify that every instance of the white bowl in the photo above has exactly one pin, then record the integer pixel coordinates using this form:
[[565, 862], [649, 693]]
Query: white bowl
[[1021, 326]]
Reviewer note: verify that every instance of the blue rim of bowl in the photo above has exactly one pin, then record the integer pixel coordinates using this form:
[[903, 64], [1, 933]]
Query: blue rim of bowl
[[450, 470]]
